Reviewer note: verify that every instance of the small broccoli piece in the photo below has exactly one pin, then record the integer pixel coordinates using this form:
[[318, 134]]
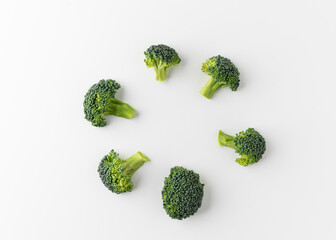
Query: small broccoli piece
[[116, 174], [249, 144], [222, 73], [99, 102], [182, 193], [161, 57]]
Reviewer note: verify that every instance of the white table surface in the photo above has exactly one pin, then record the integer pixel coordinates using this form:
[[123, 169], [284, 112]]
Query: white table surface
[[51, 52]]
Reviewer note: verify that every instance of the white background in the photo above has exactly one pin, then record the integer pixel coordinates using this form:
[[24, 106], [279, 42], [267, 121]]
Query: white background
[[51, 52]]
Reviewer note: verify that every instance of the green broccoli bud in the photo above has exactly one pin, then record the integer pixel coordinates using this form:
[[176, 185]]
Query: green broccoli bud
[[161, 57], [116, 174], [222, 73], [249, 144], [99, 102], [182, 193]]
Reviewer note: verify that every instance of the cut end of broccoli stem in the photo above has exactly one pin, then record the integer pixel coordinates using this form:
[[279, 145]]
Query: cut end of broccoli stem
[[139, 155], [121, 109], [161, 74], [133, 163], [225, 139], [125, 112], [211, 87]]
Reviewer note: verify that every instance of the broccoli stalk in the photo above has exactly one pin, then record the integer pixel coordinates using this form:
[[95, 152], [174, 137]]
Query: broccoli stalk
[[116, 173], [249, 144], [133, 163], [225, 140], [120, 109], [211, 87], [160, 72]]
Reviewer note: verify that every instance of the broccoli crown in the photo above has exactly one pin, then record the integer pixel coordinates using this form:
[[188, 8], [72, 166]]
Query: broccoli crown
[[250, 145], [99, 102], [182, 193], [163, 53], [161, 57], [116, 174], [223, 71]]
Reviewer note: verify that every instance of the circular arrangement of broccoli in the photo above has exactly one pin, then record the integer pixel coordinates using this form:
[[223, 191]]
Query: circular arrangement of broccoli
[[99, 102], [116, 174], [182, 193], [161, 57], [249, 144], [222, 73]]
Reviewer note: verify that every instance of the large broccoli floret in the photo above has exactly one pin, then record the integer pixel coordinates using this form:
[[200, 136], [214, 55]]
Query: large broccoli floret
[[99, 102], [116, 174], [161, 57], [182, 193], [222, 73], [249, 144]]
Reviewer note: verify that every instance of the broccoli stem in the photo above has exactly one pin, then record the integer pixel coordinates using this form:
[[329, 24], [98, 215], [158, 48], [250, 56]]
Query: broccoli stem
[[134, 162], [161, 73], [120, 109], [211, 87], [226, 140]]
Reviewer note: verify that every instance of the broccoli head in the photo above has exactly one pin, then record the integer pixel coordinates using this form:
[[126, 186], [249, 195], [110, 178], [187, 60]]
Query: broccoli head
[[99, 102], [249, 144], [222, 73], [161, 57], [116, 174], [182, 193]]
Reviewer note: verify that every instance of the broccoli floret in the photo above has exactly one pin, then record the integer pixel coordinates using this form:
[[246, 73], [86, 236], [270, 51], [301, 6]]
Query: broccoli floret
[[249, 144], [222, 73], [182, 193], [99, 102], [116, 174], [161, 57]]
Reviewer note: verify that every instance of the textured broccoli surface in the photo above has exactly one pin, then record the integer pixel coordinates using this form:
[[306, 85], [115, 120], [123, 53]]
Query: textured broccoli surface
[[99, 102], [249, 144], [116, 174], [182, 193], [222, 73], [161, 57]]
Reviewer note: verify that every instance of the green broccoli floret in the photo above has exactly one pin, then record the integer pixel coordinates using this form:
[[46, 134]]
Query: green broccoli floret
[[222, 73], [249, 144], [99, 102], [161, 57], [182, 193], [116, 174]]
